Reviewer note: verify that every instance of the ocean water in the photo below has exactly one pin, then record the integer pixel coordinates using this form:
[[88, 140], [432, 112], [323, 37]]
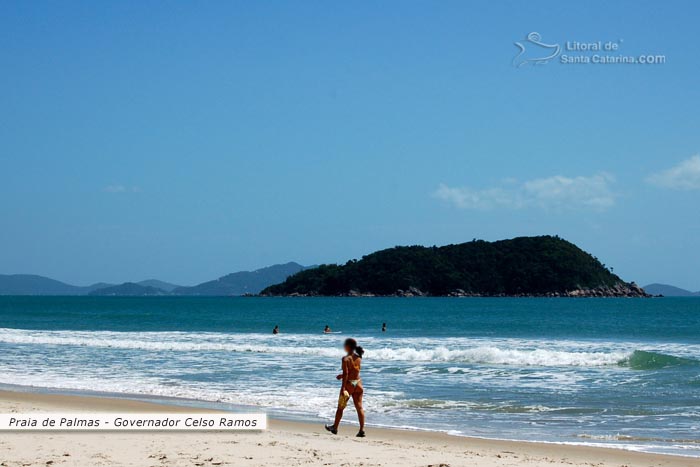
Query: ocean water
[[617, 372]]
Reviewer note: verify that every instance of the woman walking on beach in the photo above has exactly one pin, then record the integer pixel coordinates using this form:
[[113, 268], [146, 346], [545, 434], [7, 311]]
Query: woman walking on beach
[[351, 386]]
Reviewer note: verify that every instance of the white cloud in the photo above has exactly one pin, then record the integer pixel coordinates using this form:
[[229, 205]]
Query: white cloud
[[121, 189], [114, 189], [592, 192], [683, 176], [466, 198]]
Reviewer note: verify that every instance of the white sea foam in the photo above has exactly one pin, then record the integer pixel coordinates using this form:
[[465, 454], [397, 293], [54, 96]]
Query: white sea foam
[[499, 356], [439, 381], [409, 350]]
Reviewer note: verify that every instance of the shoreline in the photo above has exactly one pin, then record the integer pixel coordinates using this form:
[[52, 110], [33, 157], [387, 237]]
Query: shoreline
[[283, 442]]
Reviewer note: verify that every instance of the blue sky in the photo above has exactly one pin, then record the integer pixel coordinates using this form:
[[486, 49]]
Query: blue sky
[[185, 140]]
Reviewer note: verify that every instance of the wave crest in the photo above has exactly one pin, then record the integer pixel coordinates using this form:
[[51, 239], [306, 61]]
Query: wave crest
[[645, 360], [430, 351]]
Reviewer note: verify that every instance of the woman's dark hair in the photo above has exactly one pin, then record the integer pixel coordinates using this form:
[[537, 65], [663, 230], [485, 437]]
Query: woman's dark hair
[[352, 345]]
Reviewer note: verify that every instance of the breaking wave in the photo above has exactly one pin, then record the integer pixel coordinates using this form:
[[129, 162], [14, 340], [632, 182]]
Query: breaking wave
[[644, 360], [425, 351]]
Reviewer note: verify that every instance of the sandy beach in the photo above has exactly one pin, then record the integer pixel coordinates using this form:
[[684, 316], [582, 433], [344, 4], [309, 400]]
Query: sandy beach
[[285, 443]]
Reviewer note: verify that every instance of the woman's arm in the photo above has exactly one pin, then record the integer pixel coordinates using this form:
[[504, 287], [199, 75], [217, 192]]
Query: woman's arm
[[344, 376]]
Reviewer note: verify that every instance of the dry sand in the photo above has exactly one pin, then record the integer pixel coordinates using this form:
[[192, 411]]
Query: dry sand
[[284, 444]]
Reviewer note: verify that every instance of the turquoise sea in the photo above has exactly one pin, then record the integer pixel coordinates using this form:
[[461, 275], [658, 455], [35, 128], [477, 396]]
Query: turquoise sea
[[622, 372]]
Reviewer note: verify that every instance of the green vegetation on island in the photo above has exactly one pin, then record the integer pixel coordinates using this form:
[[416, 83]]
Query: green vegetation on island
[[524, 266]]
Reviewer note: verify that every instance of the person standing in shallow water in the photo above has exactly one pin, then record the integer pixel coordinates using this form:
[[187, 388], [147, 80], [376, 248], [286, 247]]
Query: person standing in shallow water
[[383, 327], [276, 330], [351, 386]]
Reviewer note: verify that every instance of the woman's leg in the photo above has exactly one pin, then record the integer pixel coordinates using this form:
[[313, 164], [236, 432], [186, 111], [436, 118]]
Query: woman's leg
[[342, 403], [357, 400], [338, 416]]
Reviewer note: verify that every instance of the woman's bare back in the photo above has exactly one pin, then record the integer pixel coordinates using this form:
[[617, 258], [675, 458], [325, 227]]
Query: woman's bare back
[[353, 364]]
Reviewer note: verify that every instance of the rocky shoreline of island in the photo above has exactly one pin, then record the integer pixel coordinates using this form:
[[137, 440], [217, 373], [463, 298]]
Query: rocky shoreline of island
[[621, 290]]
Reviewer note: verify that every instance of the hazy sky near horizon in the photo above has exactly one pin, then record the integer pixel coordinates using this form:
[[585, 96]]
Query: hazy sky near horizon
[[186, 140]]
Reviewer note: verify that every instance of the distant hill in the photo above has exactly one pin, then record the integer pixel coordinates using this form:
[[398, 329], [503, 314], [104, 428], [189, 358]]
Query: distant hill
[[29, 284], [669, 291], [128, 289], [99, 285], [237, 283], [165, 286], [244, 282], [524, 266]]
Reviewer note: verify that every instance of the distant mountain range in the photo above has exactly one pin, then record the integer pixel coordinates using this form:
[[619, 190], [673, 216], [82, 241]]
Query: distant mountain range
[[28, 284], [128, 289], [165, 286], [669, 291], [237, 283], [244, 282]]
